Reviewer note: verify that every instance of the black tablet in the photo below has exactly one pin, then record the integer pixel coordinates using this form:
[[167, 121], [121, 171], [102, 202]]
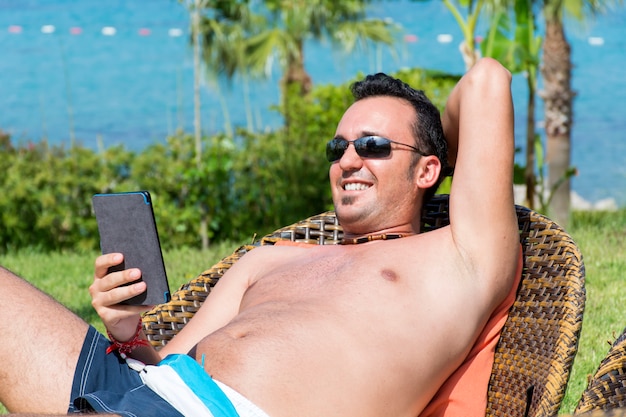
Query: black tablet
[[126, 224]]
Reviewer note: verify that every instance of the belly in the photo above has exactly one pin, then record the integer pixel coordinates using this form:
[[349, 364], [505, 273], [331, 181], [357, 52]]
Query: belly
[[290, 357], [273, 339]]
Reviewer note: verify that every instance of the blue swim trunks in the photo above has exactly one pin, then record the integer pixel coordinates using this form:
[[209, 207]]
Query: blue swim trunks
[[177, 387]]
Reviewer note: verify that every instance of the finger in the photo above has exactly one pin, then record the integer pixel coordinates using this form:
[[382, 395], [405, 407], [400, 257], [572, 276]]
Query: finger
[[116, 287], [115, 279], [104, 262], [116, 295], [120, 280]]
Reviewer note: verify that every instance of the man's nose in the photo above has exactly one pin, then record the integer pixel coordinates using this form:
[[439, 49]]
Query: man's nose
[[350, 159]]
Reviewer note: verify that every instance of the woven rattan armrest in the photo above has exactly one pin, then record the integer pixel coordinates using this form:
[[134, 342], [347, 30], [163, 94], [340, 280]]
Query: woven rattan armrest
[[606, 390], [615, 412]]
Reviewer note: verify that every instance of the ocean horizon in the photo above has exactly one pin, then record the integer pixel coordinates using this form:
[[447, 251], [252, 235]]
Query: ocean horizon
[[121, 72]]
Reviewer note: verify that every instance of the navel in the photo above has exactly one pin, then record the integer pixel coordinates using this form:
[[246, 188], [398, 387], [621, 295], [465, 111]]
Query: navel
[[389, 275]]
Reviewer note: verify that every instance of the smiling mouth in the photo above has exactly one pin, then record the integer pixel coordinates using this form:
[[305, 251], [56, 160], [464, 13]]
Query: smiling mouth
[[355, 186]]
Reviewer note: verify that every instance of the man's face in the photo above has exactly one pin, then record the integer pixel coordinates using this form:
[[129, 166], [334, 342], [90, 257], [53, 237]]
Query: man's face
[[372, 194]]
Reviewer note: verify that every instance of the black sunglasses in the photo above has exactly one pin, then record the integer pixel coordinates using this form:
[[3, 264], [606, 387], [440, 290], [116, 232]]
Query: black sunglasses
[[365, 147]]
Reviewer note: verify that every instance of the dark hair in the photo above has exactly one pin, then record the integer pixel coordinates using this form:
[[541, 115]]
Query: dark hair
[[427, 129]]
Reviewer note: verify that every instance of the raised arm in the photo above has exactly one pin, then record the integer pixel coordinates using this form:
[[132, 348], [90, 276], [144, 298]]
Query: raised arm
[[478, 125]]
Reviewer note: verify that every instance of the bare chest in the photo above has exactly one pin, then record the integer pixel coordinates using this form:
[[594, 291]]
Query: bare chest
[[349, 273]]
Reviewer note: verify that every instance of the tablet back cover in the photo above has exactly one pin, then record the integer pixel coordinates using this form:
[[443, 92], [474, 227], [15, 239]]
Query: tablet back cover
[[126, 225]]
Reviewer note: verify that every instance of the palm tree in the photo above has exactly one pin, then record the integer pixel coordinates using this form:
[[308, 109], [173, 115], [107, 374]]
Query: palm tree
[[245, 38], [558, 99], [213, 42], [223, 26], [558, 96], [194, 7]]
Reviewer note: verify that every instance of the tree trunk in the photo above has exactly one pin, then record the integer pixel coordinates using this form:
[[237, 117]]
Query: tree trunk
[[296, 74], [295, 81], [204, 221], [529, 172], [470, 55], [558, 97]]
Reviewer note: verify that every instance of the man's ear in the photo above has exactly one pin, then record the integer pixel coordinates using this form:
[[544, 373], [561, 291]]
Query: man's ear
[[428, 169]]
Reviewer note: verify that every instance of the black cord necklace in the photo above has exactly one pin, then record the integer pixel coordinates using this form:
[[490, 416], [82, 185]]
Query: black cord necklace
[[369, 238]]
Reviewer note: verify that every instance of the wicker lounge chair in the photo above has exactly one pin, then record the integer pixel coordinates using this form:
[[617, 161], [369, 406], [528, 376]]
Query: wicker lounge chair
[[615, 412], [607, 388], [539, 340]]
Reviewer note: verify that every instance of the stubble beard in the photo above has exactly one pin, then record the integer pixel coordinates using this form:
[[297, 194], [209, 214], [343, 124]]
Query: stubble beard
[[347, 201], [351, 219]]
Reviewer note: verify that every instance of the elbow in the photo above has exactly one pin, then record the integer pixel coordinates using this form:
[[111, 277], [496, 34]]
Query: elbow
[[491, 80], [490, 71]]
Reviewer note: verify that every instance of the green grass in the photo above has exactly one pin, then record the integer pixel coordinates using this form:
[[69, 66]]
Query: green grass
[[66, 276], [600, 236]]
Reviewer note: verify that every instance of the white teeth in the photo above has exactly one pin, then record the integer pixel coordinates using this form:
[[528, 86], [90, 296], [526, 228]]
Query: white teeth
[[353, 186]]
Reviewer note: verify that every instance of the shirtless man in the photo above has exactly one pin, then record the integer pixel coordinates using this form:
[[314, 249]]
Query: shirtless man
[[370, 329]]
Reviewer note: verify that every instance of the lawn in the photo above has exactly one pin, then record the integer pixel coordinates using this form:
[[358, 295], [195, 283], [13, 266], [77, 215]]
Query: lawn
[[600, 236]]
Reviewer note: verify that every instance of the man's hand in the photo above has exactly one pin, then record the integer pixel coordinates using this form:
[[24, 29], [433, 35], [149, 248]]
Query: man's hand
[[108, 290]]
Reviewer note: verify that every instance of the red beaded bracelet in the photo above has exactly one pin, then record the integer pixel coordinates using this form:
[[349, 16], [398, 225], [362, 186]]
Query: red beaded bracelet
[[124, 348]]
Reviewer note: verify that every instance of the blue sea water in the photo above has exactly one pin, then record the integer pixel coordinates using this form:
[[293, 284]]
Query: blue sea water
[[121, 71]]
